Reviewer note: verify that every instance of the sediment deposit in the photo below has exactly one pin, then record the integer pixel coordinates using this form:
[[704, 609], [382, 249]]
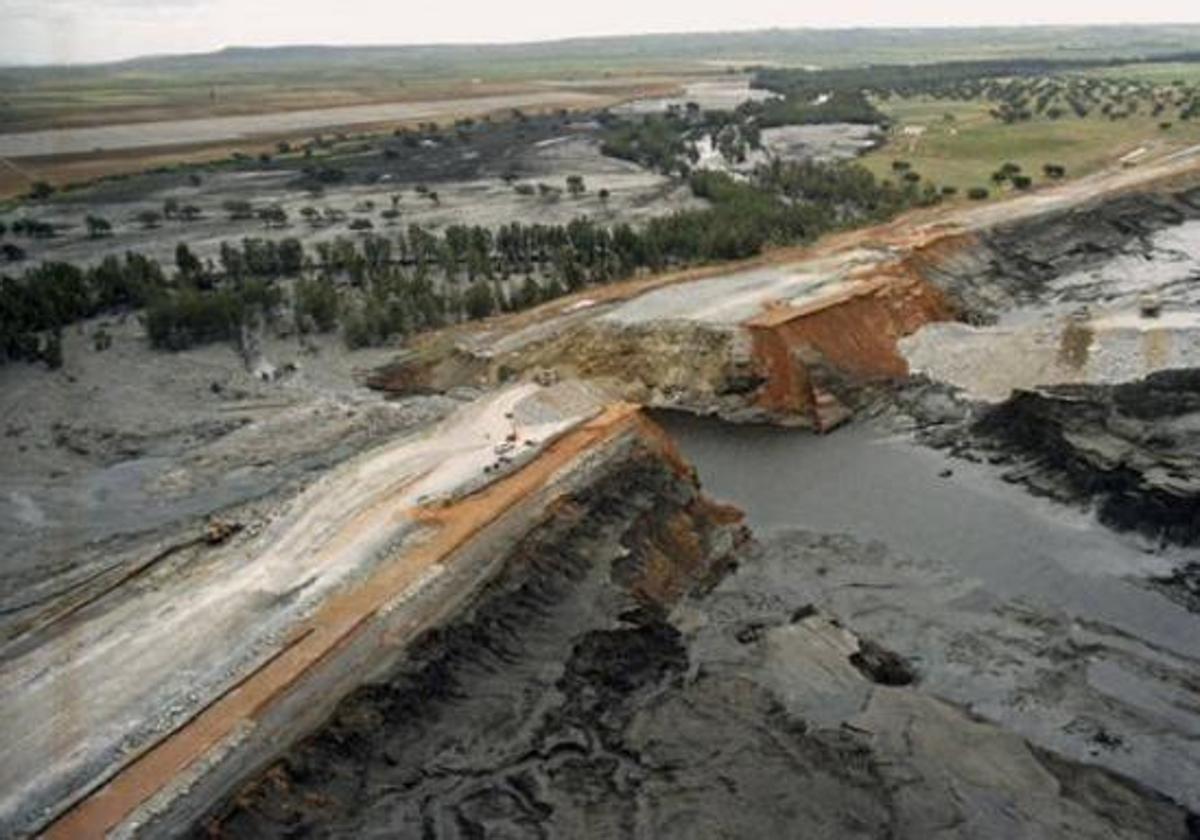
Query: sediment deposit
[[568, 701], [529, 620]]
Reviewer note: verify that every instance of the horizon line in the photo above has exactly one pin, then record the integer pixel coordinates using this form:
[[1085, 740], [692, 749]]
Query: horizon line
[[563, 39]]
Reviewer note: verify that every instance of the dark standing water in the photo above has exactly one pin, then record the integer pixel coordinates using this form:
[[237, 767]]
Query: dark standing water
[[861, 481]]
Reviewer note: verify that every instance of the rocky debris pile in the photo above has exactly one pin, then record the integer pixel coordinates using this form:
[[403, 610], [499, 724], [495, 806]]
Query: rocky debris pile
[[881, 665], [1132, 448], [703, 368]]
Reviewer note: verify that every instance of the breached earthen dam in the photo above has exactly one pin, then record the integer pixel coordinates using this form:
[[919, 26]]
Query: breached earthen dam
[[530, 620]]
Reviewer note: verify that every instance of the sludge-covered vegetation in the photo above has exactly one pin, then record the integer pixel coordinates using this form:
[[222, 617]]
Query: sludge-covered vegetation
[[668, 142], [378, 288]]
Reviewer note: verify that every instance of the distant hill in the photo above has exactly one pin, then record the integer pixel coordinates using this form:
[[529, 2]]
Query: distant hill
[[245, 80], [791, 46]]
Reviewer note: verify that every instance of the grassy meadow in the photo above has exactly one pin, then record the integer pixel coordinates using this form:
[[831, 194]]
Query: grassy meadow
[[960, 144]]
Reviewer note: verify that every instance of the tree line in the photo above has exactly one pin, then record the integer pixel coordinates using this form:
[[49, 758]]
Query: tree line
[[1020, 87], [379, 287]]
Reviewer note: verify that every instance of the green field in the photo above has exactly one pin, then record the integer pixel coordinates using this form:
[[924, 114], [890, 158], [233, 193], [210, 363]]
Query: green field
[[965, 150], [1159, 73], [258, 78]]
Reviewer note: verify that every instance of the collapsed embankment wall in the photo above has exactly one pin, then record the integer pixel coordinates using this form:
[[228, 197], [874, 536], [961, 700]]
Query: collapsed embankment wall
[[578, 603], [810, 353], [1012, 263], [366, 630], [788, 363]]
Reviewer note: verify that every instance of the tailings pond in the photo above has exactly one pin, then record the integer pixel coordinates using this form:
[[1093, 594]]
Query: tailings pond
[[900, 653], [1025, 611]]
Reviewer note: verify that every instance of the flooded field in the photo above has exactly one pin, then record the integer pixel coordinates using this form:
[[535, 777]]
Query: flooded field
[[469, 184]]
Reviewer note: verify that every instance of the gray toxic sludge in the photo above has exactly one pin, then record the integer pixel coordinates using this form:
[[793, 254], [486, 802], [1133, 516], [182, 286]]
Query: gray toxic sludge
[[758, 706], [1026, 612], [124, 455], [1105, 294]]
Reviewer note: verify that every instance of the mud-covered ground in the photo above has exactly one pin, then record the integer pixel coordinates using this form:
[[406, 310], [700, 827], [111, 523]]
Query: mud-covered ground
[[476, 171], [1103, 294], [561, 705], [126, 453], [468, 177], [1081, 375], [914, 648]]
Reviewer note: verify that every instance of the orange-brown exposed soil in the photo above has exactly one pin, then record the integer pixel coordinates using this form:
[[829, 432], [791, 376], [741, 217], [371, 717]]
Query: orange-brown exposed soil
[[855, 331]]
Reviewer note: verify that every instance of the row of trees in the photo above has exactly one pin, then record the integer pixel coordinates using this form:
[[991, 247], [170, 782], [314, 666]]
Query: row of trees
[[35, 306], [1020, 88], [378, 287]]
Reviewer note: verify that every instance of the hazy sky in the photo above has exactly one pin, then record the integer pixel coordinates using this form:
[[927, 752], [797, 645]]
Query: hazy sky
[[53, 31]]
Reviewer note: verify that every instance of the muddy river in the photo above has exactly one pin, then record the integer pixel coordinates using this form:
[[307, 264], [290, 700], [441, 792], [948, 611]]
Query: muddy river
[[879, 487]]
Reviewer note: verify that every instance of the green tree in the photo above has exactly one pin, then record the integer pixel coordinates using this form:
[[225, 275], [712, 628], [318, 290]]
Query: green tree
[[238, 209], [40, 190], [11, 252], [479, 301], [189, 264], [52, 351], [273, 216], [291, 256], [316, 304], [98, 227], [149, 219]]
